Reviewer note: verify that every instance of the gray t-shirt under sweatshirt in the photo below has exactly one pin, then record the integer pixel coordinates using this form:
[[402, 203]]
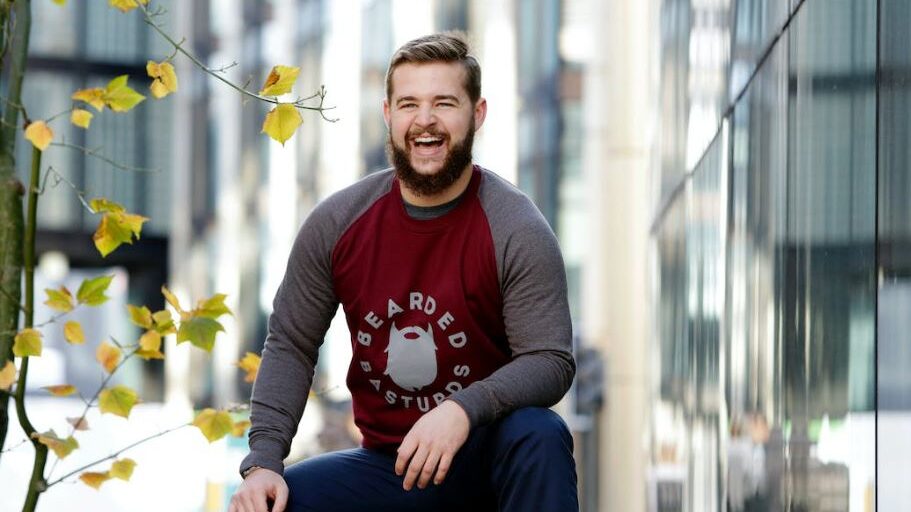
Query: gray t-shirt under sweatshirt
[[463, 302]]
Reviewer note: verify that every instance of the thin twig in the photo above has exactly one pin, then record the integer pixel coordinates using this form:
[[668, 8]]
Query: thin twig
[[94, 153], [11, 448], [117, 453], [89, 403], [55, 116], [58, 178], [179, 47]]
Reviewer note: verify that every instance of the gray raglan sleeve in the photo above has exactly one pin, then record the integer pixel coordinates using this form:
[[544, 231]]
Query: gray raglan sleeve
[[302, 310], [535, 314]]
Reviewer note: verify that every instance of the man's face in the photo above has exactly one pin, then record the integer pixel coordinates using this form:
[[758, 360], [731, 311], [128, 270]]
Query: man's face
[[431, 123]]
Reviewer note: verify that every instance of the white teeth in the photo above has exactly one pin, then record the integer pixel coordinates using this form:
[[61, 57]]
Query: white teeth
[[427, 139]]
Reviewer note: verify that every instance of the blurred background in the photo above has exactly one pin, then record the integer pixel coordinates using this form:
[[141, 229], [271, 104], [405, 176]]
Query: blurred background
[[729, 181]]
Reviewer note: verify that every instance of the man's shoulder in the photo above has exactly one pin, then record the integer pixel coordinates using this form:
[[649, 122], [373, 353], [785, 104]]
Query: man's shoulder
[[504, 203], [350, 202]]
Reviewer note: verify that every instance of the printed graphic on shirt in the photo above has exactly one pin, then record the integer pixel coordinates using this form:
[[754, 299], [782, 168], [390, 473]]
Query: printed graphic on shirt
[[424, 355], [412, 362]]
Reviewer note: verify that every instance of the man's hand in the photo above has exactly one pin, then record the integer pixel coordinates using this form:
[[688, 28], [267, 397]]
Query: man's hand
[[260, 485], [431, 445]]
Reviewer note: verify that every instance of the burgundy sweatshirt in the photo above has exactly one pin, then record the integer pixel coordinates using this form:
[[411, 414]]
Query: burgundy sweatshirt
[[469, 306]]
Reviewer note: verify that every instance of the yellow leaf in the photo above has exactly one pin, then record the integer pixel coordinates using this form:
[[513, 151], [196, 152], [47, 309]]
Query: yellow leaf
[[149, 354], [199, 331], [213, 307], [165, 78], [7, 375], [150, 341], [61, 390], [117, 226], [39, 134], [140, 316], [103, 204], [59, 2], [214, 424], [59, 300], [172, 300], [93, 479], [78, 423], [250, 364], [281, 123], [72, 331], [81, 118], [280, 80], [240, 427], [126, 5], [122, 469], [93, 96], [164, 322], [119, 96], [27, 343], [61, 447], [118, 400], [108, 355]]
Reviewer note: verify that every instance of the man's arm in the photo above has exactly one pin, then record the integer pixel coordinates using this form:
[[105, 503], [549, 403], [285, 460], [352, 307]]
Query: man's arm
[[302, 310], [538, 328]]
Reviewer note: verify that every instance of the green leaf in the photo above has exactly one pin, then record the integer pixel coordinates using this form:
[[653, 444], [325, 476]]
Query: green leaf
[[119, 96], [214, 424], [91, 291], [200, 331], [117, 228], [27, 343], [118, 400]]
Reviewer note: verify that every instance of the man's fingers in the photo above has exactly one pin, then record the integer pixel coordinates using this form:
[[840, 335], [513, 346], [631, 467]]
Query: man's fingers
[[429, 467], [406, 450], [259, 503], [443, 468], [414, 468], [281, 499]]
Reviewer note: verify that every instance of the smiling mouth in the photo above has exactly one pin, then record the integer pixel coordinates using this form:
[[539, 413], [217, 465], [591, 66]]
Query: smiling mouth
[[428, 141]]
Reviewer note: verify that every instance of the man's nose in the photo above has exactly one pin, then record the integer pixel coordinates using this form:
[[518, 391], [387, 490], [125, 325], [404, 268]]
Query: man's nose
[[425, 116]]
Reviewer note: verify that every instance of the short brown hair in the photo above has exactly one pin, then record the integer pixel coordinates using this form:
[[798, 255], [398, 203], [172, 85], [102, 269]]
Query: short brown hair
[[443, 47]]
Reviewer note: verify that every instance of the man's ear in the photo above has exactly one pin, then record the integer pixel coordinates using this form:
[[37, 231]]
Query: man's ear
[[386, 113], [480, 113]]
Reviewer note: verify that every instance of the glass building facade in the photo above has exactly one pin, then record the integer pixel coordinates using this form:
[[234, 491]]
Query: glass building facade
[[781, 256]]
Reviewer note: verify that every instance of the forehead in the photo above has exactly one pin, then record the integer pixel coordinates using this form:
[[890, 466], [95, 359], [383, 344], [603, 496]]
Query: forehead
[[428, 80]]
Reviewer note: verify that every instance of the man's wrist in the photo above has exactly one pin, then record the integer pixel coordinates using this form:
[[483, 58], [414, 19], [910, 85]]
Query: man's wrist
[[247, 472]]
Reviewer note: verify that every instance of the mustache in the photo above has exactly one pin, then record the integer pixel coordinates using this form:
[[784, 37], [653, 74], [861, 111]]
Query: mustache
[[413, 134]]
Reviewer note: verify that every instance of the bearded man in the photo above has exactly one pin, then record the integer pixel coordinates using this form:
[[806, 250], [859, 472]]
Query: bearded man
[[454, 292]]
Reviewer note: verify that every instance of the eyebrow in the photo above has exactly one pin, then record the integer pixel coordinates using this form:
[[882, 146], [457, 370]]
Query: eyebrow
[[438, 97]]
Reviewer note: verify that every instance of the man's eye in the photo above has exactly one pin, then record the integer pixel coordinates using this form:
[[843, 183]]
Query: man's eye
[[445, 104], [407, 105]]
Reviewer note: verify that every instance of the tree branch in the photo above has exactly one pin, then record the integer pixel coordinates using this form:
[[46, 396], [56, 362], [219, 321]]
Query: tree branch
[[94, 153], [178, 46], [117, 453]]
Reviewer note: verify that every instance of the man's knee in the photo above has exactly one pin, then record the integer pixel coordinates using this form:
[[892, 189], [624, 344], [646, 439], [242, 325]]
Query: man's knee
[[536, 426]]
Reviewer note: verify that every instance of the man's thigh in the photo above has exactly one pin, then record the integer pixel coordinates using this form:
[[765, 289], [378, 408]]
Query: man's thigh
[[353, 480], [362, 480]]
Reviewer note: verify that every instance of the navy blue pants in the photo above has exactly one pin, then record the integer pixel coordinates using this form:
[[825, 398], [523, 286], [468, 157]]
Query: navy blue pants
[[521, 463]]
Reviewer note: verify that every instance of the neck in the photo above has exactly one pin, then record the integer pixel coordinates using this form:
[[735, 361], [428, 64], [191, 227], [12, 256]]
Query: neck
[[452, 192]]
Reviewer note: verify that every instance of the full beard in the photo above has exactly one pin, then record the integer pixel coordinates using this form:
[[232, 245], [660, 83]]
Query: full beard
[[426, 185]]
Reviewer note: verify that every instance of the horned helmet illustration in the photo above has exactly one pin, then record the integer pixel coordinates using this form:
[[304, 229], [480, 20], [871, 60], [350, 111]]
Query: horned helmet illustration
[[412, 360]]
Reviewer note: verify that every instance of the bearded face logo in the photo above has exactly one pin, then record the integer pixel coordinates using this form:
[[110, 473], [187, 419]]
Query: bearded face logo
[[412, 359]]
